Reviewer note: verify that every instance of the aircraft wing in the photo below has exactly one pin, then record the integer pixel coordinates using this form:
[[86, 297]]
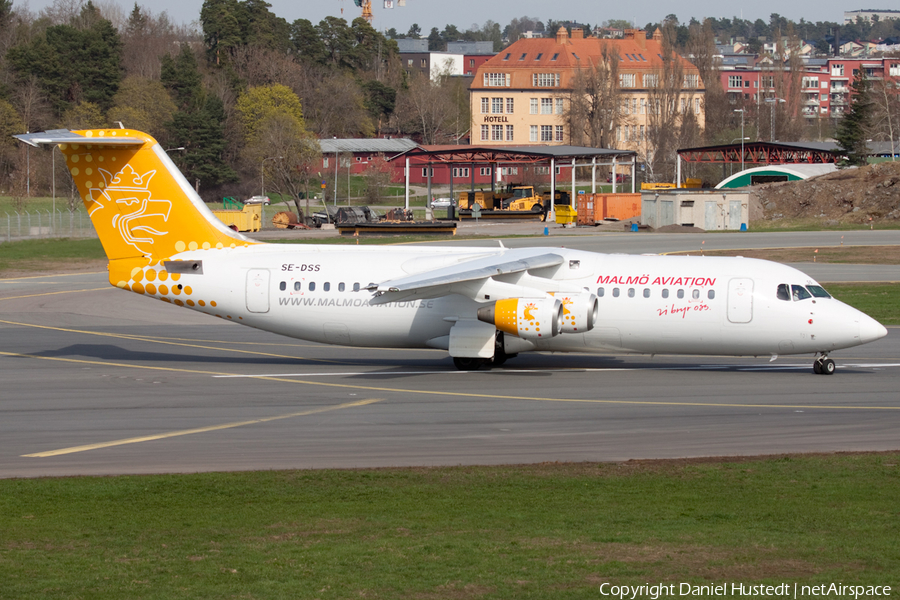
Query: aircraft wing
[[467, 278]]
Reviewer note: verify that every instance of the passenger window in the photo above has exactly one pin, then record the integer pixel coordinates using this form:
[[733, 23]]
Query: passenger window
[[356, 287], [326, 287], [282, 286], [783, 293], [665, 293], [615, 292], [298, 286], [711, 294], [646, 292], [695, 294], [600, 292], [799, 293], [818, 291], [312, 286], [680, 294], [341, 286], [631, 292]]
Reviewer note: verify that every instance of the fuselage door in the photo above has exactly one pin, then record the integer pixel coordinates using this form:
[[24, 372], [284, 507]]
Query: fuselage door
[[258, 290], [740, 300]]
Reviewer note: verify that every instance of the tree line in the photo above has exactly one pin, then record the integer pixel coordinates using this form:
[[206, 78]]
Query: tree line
[[248, 93]]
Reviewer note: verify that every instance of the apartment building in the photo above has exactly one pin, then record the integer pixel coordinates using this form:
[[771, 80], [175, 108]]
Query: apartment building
[[521, 95], [824, 87]]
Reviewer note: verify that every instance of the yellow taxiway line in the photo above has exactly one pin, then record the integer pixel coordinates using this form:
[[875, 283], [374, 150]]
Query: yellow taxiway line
[[171, 434]]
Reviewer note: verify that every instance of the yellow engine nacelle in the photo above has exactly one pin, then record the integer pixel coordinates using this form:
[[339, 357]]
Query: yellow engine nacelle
[[580, 311], [527, 318]]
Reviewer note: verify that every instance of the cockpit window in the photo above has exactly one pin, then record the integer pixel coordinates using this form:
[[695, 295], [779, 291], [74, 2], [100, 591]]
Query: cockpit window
[[818, 291], [799, 292], [783, 292]]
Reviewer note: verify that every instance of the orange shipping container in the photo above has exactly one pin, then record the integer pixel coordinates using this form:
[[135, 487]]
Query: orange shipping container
[[593, 208], [622, 206]]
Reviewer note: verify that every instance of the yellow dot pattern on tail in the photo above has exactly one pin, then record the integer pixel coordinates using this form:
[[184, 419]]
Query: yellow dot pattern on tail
[[142, 207]]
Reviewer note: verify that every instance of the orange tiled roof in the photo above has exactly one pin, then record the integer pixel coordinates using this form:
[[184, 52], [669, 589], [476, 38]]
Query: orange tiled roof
[[564, 55]]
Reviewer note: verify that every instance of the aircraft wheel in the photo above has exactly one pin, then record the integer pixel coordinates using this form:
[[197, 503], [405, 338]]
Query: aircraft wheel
[[467, 363], [817, 367], [827, 367]]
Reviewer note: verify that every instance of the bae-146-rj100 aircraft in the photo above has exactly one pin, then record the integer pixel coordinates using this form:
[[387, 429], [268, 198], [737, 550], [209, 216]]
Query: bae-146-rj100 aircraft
[[482, 305]]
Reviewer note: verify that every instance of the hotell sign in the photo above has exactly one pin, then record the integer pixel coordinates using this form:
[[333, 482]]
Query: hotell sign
[[496, 120]]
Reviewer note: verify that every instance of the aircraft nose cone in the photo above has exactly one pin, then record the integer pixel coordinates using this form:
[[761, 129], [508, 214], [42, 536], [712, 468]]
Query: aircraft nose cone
[[870, 330]]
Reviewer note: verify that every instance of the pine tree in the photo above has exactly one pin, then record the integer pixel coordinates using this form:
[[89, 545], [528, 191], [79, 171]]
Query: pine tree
[[852, 131]]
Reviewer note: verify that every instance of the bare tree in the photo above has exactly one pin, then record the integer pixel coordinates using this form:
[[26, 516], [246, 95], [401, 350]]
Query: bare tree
[[593, 111], [333, 103], [145, 39], [30, 100], [428, 108], [885, 112], [701, 48], [665, 107], [62, 12], [288, 155]]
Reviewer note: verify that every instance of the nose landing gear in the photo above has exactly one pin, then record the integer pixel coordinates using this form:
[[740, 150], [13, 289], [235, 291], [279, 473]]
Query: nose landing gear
[[823, 365]]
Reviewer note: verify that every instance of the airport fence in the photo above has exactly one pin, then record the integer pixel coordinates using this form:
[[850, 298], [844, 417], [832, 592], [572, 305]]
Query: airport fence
[[36, 224]]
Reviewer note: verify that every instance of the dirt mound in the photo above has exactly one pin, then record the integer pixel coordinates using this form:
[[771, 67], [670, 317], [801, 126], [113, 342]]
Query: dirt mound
[[854, 195]]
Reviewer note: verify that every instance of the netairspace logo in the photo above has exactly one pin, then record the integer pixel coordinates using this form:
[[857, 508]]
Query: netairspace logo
[[784, 590]]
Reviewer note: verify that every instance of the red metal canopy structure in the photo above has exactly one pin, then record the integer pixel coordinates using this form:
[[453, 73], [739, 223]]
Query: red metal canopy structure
[[493, 156], [766, 153]]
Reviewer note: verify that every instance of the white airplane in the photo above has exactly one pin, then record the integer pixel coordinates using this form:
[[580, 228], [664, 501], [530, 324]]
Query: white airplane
[[483, 305]]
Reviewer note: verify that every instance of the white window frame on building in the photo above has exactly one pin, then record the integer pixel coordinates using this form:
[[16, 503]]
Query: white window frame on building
[[546, 106], [509, 133], [496, 133], [559, 134], [510, 105], [735, 81], [425, 171], [485, 133], [496, 106], [497, 79], [545, 79], [485, 105], [560, 106], [460, 172], [533, 106], [626, 80], [533, 133], [651, 80], [546, 133]]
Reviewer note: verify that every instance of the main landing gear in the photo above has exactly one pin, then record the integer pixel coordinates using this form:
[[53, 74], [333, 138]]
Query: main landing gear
[[823, 365], [465, 363]]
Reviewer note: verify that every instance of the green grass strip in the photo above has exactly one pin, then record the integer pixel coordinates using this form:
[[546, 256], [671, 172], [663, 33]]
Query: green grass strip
[[45, 254], [544, 531], [881, 301]]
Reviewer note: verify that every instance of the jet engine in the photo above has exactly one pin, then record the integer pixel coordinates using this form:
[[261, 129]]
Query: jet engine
[[528, 318], [580, 311]]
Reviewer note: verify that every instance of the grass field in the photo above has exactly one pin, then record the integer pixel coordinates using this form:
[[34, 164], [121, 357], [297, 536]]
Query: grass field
[[818, 224], [543, 531], [48, 254]]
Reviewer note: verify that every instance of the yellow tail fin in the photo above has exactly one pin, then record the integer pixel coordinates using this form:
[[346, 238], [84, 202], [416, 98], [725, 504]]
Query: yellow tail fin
[[142, 207]]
